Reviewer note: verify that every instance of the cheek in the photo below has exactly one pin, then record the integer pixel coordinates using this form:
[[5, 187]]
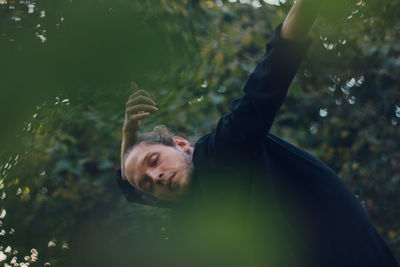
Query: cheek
[[184, 182], [171, 161]]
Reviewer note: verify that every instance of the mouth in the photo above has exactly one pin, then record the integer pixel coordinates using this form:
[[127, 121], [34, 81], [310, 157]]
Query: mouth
[[170, 181]]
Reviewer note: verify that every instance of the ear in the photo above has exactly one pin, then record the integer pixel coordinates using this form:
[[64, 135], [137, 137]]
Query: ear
[[183, 144]]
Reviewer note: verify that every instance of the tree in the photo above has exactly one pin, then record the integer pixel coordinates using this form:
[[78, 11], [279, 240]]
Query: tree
[[65, 79]]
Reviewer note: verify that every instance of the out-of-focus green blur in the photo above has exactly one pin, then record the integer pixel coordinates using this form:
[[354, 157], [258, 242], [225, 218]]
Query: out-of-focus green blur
[[65, 71], [79, 49]]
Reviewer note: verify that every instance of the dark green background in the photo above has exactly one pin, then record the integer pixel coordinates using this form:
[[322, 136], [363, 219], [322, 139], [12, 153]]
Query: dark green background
[[62, 104]]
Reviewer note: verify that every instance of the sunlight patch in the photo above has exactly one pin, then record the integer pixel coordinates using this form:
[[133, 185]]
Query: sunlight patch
[[275, 2]]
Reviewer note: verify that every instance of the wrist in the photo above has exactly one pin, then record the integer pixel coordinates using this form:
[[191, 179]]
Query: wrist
[[126, 133]]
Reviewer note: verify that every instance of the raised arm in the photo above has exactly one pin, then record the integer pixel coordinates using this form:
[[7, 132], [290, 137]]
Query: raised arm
[[300, 19], [138, 107], [245, 127]]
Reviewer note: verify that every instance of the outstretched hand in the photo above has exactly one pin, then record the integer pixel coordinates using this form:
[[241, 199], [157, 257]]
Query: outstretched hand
[[138, 107]]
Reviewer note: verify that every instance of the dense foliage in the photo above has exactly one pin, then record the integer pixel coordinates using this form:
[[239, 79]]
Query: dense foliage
[[65, 75]]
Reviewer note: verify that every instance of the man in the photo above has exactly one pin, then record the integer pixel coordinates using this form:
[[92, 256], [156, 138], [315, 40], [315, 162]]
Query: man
[[241, 196]]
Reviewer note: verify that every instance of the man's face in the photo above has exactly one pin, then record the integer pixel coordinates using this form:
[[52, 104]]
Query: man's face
[[160, 170]]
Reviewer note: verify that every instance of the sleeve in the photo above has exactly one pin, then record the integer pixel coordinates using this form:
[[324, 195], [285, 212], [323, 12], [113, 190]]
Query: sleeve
[[252, 115]]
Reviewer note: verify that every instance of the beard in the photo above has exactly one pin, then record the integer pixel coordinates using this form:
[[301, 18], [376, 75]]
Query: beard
[[187, 171]]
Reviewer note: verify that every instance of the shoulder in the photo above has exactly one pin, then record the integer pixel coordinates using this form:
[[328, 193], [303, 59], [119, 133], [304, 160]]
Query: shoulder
[[284, 150]]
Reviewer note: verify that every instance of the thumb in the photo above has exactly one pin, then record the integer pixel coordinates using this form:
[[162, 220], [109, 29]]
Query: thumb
[[134, 87]]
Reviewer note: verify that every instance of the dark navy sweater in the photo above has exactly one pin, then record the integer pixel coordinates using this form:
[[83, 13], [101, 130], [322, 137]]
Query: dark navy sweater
[[260, 201]]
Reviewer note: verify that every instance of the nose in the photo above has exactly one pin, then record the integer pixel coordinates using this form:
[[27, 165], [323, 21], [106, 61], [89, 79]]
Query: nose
[[157, 177]]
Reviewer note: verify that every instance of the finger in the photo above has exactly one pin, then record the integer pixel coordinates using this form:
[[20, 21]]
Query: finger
[[141, 108], [140, 116], [134, 87], [140, 100], [140, 92]]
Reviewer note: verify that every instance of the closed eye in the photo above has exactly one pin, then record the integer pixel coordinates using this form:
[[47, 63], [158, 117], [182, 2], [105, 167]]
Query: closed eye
[[154, 160]]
